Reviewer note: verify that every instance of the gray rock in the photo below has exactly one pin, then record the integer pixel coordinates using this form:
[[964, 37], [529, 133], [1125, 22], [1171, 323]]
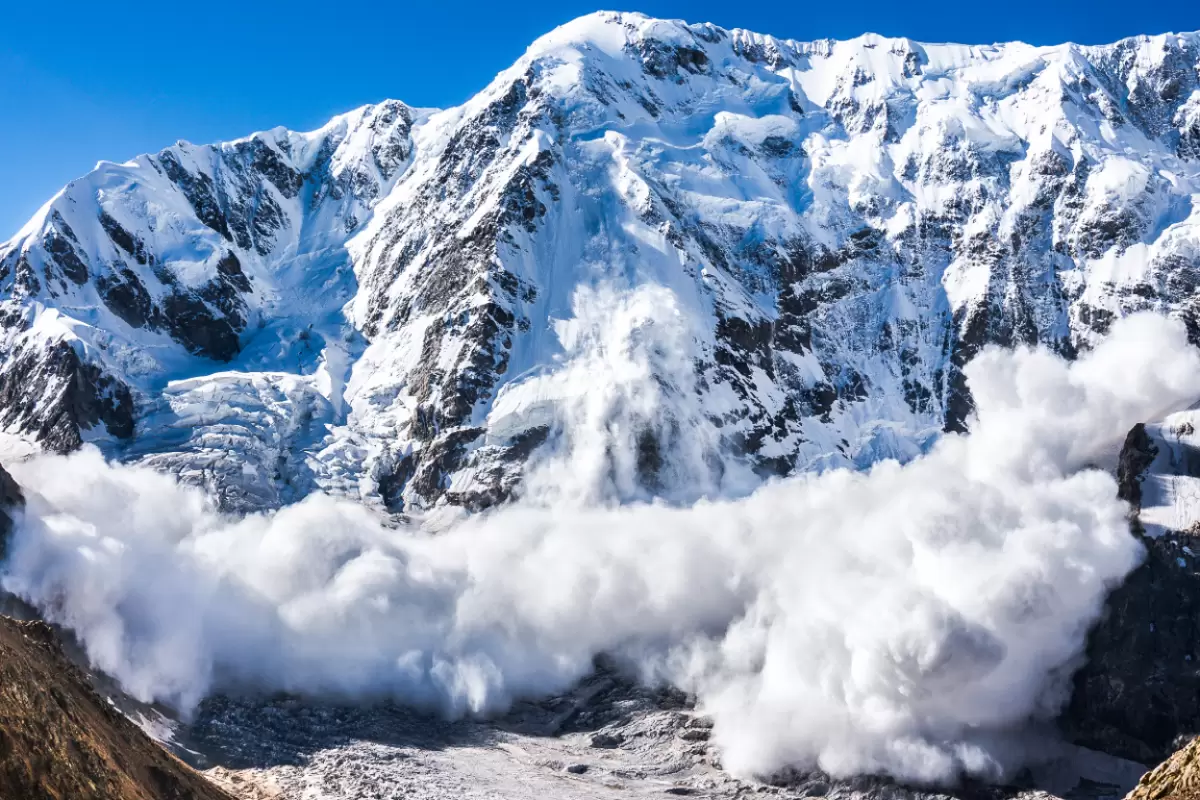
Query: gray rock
[[607, 741], [1140, 688], [11, 501]]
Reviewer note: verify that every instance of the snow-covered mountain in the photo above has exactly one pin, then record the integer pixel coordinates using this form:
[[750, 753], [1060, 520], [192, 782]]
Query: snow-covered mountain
[[741, 256]]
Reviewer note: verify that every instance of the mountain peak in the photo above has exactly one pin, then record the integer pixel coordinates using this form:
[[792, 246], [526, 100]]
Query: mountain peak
[[840, 223]]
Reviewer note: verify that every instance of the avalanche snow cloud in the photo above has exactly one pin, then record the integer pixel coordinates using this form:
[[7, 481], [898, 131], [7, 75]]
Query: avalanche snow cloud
[[901, 620]]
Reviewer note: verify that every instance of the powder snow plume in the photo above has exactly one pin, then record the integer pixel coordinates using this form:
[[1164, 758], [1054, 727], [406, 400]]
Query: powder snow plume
[[902, 620]]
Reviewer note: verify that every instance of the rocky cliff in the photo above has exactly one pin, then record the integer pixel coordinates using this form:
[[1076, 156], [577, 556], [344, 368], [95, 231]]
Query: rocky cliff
[[1139, 692], [11, 501]]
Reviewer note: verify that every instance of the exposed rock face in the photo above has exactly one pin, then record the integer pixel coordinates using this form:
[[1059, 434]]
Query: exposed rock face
[[1177, 778], [841, 225], [48, 390], [1140, 688], [58, 739], [11, 500]]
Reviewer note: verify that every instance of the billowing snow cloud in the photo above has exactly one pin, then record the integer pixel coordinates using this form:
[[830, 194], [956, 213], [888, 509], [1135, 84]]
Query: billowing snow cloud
[[901, 620]]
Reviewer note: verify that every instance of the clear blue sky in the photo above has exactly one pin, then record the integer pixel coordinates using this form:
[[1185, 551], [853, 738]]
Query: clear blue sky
[[82, 80]]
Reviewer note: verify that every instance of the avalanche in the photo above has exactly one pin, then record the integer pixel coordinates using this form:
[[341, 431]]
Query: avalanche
[[907, 620]]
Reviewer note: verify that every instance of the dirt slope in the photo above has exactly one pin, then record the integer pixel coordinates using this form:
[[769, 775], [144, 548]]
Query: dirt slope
[[60, 741]]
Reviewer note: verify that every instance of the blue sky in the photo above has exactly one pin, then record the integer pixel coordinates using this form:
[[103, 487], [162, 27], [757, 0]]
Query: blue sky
[[82, 80]]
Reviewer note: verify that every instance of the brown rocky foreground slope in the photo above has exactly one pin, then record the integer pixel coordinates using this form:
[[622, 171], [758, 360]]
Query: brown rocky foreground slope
[[1177, 778], [59, 740]]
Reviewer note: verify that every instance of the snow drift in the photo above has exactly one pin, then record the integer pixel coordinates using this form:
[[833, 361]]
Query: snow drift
[[899, 620]]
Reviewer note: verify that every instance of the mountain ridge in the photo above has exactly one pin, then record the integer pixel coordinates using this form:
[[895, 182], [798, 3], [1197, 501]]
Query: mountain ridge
[[840, 225]]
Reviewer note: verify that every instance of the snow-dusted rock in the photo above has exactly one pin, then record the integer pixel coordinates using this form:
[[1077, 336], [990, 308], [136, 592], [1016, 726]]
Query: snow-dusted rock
[[787, 252]]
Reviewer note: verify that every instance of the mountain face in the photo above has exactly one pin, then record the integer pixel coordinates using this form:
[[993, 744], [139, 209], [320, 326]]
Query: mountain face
[[743, 256]]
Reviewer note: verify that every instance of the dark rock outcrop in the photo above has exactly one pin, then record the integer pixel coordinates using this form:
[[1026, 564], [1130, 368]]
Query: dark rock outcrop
[[1140, 688], [55, 394], [11, 501]]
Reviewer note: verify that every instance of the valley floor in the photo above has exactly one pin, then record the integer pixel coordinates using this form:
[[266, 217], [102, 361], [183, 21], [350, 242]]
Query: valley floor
[[608, 739]]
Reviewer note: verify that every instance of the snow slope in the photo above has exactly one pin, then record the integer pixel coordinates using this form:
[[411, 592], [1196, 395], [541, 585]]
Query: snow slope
[[736, 255]]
